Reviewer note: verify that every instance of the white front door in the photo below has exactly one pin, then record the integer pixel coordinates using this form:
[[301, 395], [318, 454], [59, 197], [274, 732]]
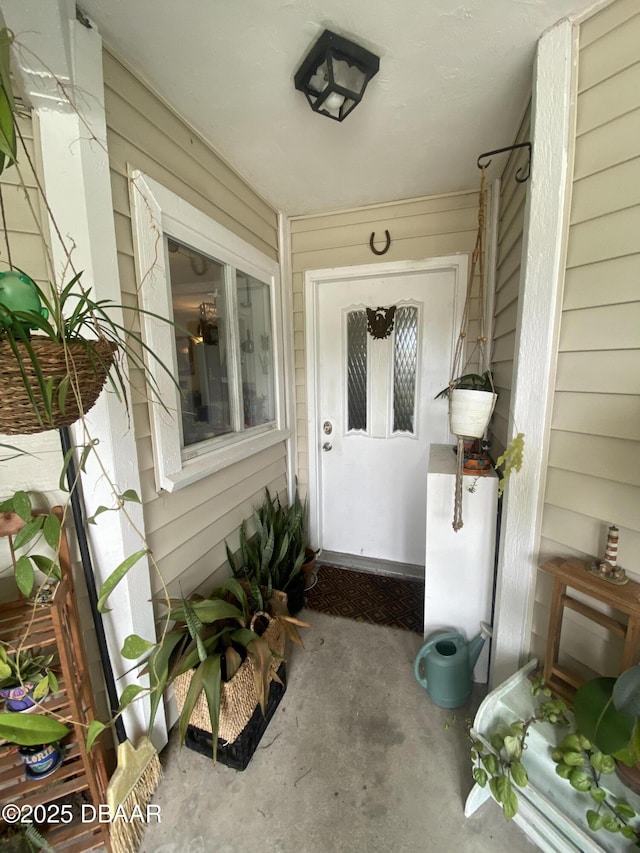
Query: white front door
[[375, 410]]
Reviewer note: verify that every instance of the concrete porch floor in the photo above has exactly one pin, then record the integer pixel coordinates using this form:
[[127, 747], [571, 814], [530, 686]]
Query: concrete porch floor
[[356, 758]]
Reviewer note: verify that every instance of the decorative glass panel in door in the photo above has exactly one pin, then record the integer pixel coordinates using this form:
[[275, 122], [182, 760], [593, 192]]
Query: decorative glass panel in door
[[405, 362], [357, 370]]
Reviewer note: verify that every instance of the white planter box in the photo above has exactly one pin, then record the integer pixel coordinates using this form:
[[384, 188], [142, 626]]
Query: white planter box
[[550, 811]]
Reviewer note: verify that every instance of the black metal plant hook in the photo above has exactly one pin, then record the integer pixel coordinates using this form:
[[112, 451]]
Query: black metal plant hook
[[523, 172]]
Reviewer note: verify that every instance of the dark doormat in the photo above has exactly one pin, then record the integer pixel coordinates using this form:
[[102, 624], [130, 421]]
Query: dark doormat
[[365, 597]]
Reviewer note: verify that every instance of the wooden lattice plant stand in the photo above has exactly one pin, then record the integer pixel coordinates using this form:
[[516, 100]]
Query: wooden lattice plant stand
[[82, 777]]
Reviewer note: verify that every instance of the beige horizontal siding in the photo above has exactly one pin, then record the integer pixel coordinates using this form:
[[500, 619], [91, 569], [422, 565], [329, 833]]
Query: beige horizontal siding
[[443, 222], [186, 529], [601, 456], [606, 282], [611, 236], [513, 196], [607, 192], [609, 99], [613, 415], [599, 371], [597, 65], [21, 199], [605, 22], [419, 228], [141, 115], [593, 478], [607, 145], [612, 326]]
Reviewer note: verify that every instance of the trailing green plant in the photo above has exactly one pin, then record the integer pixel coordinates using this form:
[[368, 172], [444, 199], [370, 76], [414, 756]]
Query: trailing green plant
[[583, 765], [27, 666], [511, 460], [497, 760]]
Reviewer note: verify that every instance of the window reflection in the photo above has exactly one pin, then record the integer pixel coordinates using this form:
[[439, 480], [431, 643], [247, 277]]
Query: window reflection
[[256, 350], [200, 315]]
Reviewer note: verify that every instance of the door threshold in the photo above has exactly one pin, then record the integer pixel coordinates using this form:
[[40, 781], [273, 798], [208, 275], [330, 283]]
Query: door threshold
[[371, 565]]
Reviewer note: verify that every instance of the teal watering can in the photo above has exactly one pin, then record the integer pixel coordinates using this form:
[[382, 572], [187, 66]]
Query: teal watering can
[[444, 666]]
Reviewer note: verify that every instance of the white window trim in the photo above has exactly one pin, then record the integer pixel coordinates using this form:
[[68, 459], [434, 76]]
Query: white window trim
[[156, 212]]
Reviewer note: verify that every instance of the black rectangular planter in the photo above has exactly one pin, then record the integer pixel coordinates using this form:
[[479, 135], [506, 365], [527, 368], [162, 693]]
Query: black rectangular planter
[[238, 754]]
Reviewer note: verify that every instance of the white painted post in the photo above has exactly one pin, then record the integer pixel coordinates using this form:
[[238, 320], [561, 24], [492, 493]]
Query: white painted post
[[75, 171], [543, 262]]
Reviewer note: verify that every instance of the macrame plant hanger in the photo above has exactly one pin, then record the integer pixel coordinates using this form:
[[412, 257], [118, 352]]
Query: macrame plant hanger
[[459, 366]]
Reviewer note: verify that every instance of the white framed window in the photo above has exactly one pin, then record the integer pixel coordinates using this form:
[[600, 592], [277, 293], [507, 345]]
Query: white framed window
[[224, 347]]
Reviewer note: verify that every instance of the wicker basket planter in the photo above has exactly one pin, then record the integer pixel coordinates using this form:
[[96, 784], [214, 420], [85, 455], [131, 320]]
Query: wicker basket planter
[[238, 697], [89, 363], [237, 753]]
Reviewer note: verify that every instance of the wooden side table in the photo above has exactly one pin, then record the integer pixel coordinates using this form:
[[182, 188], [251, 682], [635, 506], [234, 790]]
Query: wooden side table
[[624, 598]]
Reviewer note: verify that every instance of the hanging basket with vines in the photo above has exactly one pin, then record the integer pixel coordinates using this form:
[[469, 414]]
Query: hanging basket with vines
[[57, 344]]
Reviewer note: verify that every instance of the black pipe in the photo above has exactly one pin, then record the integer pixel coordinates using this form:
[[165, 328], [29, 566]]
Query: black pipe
[[87, 566]]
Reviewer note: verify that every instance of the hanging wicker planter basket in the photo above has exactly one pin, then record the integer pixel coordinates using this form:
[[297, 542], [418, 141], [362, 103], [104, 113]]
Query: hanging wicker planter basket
[[84, 364]]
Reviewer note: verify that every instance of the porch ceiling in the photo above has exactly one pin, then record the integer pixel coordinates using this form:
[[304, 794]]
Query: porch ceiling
[[453, 79]]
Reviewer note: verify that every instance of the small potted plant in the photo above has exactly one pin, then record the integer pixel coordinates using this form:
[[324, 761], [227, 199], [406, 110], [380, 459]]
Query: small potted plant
[[25, 678], [471, 402]]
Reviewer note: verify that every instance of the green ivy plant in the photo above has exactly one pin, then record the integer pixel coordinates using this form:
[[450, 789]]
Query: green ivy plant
[[500, 763], [510, 461], [578, 759], [583, 765]]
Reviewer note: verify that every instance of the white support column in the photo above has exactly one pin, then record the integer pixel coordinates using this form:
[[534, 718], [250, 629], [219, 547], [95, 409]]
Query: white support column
[[286, 285], [543, 262], [75, 169]]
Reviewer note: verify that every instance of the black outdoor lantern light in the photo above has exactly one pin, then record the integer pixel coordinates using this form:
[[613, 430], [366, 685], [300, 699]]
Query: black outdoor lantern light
[[335, 74]]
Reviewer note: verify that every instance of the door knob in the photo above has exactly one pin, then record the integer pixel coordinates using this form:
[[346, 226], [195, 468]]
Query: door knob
[[327, 446]]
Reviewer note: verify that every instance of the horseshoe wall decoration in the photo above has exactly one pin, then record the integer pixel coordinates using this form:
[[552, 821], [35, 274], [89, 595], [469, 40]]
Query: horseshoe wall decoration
[[387, 245]]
